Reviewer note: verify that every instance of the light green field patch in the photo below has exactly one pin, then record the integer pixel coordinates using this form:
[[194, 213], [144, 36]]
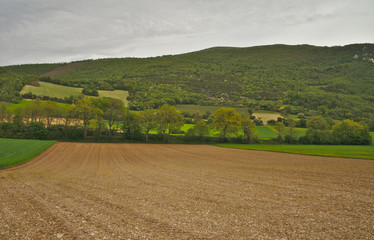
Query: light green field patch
[[363, 152], [117, 94], [10, 154], [25, 103], [59, 91], [52, 90], [265, 132], [299, 132], [186, 126], [265, 117]]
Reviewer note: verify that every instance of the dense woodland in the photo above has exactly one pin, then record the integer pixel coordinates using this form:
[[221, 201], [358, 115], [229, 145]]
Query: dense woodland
[[333, 82]]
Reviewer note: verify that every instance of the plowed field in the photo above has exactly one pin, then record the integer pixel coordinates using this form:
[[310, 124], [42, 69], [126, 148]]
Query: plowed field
[[139, 191]]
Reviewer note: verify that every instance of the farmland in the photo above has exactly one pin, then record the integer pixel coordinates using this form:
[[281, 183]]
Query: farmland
[[17, 151], [59, 91], [138, 191]]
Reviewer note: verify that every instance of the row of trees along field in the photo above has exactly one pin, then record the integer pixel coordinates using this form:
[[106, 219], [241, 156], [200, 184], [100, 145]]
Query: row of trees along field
[[107, 118]]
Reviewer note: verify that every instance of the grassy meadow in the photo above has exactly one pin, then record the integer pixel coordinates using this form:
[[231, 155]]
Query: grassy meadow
[[17, 151], [60, 91], [362, 152], [52, 90], [25, 103]]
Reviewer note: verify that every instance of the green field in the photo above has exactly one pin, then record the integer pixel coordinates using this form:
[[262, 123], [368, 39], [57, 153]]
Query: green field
[[25, 103], [363, 152], [265, 132], [17, 151], [59, 91], [52, 90]]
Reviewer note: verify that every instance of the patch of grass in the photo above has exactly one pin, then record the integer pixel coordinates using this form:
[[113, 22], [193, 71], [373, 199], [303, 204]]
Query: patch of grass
[[363, 152], [299, 132], [52, 90], [60, 91], [117, 94], [265, 132], [16, 151], [185, 127], [25, 103]]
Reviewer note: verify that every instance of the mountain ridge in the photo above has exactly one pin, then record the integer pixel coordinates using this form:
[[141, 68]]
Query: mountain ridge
[[302, 76]]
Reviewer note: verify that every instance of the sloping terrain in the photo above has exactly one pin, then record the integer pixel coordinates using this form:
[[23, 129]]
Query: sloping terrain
[[306, 77], [138, 191]]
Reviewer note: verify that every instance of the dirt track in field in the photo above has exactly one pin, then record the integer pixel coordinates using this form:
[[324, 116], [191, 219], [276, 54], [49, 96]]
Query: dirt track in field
[[139, 191]]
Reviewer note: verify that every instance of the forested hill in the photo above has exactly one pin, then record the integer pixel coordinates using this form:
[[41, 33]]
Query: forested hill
[[303, 76]]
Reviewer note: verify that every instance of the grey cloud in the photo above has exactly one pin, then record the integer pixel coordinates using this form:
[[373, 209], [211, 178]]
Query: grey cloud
[[55, 31]]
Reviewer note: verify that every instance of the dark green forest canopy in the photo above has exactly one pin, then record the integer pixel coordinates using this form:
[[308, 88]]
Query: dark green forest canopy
[[339, 78]]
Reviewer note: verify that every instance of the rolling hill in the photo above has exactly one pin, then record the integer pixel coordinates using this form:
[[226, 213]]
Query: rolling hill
[[336, 81]]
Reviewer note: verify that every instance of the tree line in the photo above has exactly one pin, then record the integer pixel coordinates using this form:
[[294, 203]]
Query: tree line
[[106, 119]]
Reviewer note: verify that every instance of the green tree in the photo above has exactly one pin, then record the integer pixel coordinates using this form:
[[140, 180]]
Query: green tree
[[226, 120], [85, 110], [201, 129], [131, 126], [317, 130], [249, 128], [38, 131], [114, 112], [169, 120], [291, 137], [90, 91], [197, 117], [68, 114], [34, 111], [49, 111], [148, 121], [348, 132], [280, 128], [3, 111]]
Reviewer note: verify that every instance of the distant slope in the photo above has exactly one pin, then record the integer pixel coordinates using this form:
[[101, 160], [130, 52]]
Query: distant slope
[[306, 77], [34, 69], [62, 69]]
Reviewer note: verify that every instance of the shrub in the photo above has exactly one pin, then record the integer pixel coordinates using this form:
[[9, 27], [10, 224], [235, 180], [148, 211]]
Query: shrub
[[38, 131]]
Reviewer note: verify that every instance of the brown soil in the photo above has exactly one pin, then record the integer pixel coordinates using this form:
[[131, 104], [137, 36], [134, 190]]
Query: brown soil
[[140, 191], [63, 69]]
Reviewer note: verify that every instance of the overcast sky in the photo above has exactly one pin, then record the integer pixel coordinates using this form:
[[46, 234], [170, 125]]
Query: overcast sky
[[40, 31]]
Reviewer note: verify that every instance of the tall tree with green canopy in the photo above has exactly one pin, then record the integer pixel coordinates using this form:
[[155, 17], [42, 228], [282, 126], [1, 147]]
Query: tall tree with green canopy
[[349, 132], [3, 111], [148, 121], [85, 110], [317, 130], [201, 129], [169, 120], [49, 110], [249, 128], [226, 120], [280, 128], [114, 112]]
